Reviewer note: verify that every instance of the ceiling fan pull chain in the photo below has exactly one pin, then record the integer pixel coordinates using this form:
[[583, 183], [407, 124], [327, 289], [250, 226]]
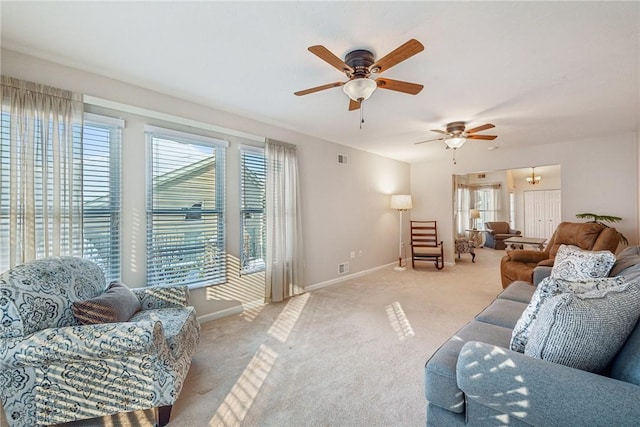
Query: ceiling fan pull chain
[[454, 156], [361, 114]]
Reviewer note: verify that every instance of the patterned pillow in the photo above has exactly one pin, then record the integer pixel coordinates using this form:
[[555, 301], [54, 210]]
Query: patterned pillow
[[585, 331], [117, 304], [573, 263], [547, 288]]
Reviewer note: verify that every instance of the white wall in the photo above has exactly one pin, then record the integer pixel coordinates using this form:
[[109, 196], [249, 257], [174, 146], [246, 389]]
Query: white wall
[[598, 175], [345, 207]]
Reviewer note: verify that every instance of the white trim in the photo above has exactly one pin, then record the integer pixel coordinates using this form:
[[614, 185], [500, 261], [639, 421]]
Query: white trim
[[231, 311], [103, 120], [343, 278], [114, 105], [158, 131], [245, 306], [252, 148]]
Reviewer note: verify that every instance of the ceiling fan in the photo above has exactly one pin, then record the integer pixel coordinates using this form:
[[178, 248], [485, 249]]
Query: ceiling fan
[[358, 66], [456, 134]]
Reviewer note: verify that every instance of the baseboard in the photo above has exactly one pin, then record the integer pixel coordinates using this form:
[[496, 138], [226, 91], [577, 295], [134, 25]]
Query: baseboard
[[321, 285], [240, 308], [231, 311]]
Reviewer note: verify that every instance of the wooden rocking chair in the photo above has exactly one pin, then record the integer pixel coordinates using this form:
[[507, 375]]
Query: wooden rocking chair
[[424, 243]]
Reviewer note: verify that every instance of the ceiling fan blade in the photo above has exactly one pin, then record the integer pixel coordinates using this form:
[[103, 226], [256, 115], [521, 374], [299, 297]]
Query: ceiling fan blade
[[399, 86], [439, 131], [429, 140], [480, 128], [353, 105], [318, 88], [485, 137], [405, 51], [326, 55]]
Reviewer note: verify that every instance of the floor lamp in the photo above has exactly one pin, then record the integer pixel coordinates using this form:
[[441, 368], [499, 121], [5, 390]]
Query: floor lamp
[[400, 202]]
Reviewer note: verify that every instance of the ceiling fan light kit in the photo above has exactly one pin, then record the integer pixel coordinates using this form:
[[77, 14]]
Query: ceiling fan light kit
[[359, 89], [455, 142]]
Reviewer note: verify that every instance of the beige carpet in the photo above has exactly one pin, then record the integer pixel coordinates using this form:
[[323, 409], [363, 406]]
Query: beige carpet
[[351, 354]]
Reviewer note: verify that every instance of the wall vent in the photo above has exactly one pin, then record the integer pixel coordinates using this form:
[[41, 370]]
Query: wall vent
[[482, 176], [343, 159], [343, 268]]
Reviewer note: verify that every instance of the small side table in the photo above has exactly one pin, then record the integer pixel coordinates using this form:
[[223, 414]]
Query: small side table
[[475, 235]]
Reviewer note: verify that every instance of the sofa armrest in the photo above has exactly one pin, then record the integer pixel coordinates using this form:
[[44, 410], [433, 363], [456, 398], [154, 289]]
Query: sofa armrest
[[153, 297], [540, 273], [523, 255], [82, 343], [543, 393], [516, 232]]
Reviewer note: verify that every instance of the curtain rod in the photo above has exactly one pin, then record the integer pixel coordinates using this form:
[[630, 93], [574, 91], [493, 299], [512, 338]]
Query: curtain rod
[[114, 105]]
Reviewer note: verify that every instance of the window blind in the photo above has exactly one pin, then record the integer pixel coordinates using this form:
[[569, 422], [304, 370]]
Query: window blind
[[185, 210], [252, 210], [101, 145]]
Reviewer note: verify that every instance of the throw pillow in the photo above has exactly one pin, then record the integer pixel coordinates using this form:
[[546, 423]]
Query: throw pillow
[[116, 304], [547, 288], [585, 331], [573, 263]]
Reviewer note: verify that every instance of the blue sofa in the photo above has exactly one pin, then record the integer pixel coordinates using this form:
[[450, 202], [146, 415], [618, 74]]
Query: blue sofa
[[474, 379]]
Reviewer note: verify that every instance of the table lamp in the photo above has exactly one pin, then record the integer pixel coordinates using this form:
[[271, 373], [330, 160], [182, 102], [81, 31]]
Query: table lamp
[[474, 214]]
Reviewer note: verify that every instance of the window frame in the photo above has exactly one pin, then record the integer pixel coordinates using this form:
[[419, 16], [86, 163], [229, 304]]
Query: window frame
[[114, 126], [248, 265], [219, 269]]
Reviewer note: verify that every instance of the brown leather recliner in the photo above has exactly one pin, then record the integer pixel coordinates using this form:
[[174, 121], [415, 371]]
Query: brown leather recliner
[[519, 264]]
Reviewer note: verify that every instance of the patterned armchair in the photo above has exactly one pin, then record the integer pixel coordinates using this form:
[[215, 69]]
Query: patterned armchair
[[54, 370], [465, 246]]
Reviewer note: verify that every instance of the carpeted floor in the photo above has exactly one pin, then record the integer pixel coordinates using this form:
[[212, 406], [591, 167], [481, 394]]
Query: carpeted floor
[[351, 354]]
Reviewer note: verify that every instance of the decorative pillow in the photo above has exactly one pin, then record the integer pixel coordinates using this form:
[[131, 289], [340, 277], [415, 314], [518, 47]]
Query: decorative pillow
[[573, 263], [117, 304], [547, 288], [585, 331]]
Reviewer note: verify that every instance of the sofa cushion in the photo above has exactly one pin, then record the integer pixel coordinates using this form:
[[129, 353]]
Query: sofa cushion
[[116, 304], [548, 288], [518, 291], [573, 263], [502, 312], [441, 387], [626, 366], [585, 331]]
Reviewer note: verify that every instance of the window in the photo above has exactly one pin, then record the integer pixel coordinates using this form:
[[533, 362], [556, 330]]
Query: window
[[96, 147], [486, 199], [101, 141], [252, 209], [185, 209]]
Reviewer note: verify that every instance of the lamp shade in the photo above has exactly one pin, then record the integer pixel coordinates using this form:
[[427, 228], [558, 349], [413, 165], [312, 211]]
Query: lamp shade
[[359, 89], [456, 142], [401, 202], [474, 213]]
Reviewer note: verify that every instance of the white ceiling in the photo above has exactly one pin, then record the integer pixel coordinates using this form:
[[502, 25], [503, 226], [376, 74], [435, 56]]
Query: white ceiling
[[541, 72]]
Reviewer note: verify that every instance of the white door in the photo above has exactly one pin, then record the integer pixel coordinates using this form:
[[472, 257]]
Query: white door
[[541, 213]]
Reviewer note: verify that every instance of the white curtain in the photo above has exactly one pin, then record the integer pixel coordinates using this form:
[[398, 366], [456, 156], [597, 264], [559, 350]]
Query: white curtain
[[285, 263], [40, 172]]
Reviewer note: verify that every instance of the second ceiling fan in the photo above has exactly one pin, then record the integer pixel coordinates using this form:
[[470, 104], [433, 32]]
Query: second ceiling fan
[[456, 134], [358, 66]]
